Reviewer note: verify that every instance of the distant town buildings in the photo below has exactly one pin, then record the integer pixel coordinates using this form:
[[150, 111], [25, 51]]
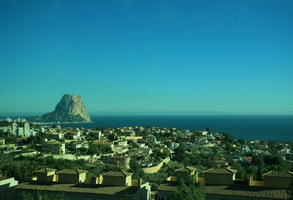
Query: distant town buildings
[[56, 147], [154, 151], [18, 127]]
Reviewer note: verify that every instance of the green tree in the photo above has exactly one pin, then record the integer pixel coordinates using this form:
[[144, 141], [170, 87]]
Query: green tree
[[228, 138], [273, 160], [136, 169], [192, 192], [241, 172], [93, 149], [180, 153], [11, 139], [105, 149]]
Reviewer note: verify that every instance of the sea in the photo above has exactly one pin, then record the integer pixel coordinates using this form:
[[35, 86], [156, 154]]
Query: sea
[[256, 127], [273, 128]]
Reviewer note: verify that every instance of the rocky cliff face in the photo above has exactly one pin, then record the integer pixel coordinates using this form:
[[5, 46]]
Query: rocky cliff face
[[69, 109]]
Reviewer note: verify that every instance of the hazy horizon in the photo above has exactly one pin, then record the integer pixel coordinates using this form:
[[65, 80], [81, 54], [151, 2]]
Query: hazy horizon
[[31, 114]]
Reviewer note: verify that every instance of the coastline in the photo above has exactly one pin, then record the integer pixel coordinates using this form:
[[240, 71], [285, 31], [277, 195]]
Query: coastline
[[263, 127], [53, 123]]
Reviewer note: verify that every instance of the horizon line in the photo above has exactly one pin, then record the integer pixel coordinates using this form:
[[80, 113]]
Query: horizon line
[[30, 114]]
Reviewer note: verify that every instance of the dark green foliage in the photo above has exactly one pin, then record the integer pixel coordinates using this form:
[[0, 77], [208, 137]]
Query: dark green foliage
[[171, 167], [186, 180], [11, 139], [241, 141], [251, 170], [186, 156], [136, 169], [92, 136], [192, 192], [157, 154], [93, 149], [48, 149], [273, 160], [180, 153], [228, 146], [274, 146], [155, 178], [22, 168], [241, 172], [228, 138]]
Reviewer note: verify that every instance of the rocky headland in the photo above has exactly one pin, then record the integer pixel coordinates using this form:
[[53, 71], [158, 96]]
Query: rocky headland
[[70, 109]]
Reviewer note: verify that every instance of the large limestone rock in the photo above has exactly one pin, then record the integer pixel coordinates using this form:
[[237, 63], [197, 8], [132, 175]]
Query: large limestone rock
[[69, 109]]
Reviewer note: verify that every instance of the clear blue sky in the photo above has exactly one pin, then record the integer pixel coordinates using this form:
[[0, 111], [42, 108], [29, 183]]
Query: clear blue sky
[[154, 56]]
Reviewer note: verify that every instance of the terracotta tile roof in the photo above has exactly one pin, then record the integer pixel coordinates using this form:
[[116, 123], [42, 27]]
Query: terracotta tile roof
[[55, 142], [220, 171], [237, 191], [102, 143], [117, 173], [45, 170], [54, 133], [186, 169], [248, 191], [279, 174], [120, 191], [71, 171], [120, 156], [94, 131]]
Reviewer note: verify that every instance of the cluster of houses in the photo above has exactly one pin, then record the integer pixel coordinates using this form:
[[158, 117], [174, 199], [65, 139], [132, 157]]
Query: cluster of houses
[[152, 147], [135, 142], [124, 145], [109, 185], [219, 184]]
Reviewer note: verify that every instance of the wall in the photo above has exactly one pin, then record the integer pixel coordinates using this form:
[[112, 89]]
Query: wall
[[123, 162], [218, 179], [82, 177], [255, 183], [42, 177], [68, 178], [114, 180], [6, 183], [150, 170], [172, 178], [129, 181], [278, 182]]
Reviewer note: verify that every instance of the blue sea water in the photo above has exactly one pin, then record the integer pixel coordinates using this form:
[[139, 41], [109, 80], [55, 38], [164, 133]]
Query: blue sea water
[[279, 128]]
